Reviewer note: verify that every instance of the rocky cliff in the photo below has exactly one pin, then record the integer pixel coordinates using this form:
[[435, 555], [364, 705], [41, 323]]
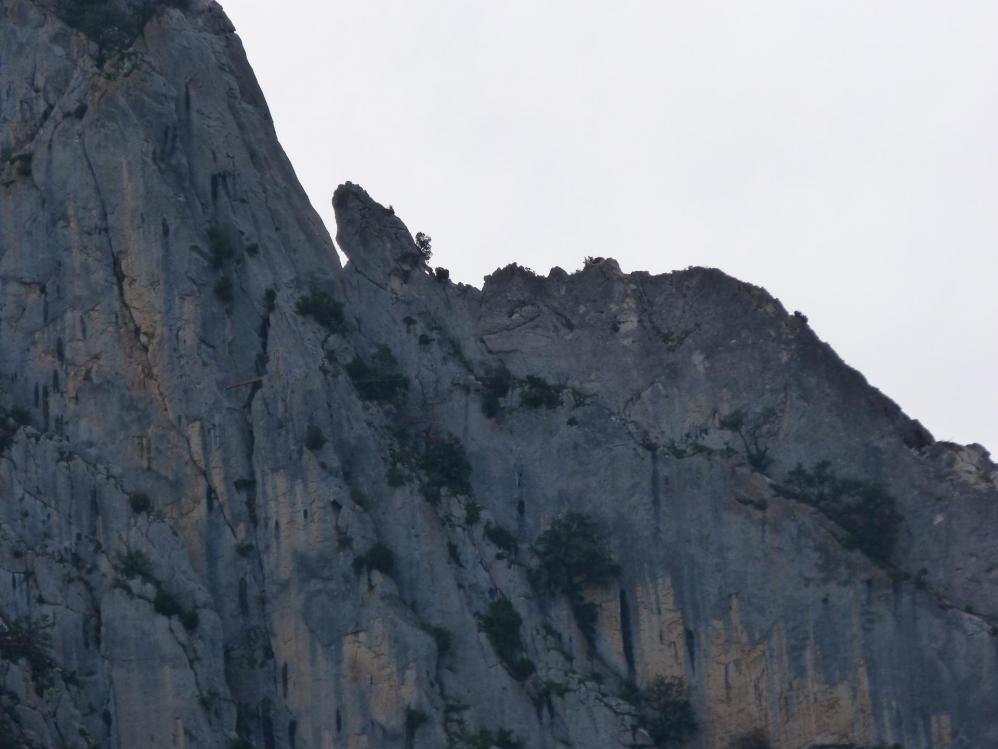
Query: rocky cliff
[[251, 498]]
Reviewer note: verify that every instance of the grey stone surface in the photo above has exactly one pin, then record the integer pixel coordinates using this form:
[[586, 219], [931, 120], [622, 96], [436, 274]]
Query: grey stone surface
[[135, 176]]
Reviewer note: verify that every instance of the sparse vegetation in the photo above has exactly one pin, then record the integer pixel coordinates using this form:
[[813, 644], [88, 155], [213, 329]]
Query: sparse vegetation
[[443, 638], [168, 605], [379, 380], [379, 557], [442, 275], [750, 431], [496, 385], [472, 512], [572, 554], [501, 624], [135, 564], [219, 247], [866, 511], [223, 290], [445, 467], [414, 718], [322, 308], [20, 416], [139, 502], [423, 246], [502, 538], [11, 421], [756, 739], [483, 738], [589, 261], [315, 440], [244, 548], [666, 712], [28, 640], [539, 393], [856, 746], [113, 29]]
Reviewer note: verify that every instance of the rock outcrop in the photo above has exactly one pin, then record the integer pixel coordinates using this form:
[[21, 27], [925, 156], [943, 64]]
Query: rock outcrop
[[251, 498]]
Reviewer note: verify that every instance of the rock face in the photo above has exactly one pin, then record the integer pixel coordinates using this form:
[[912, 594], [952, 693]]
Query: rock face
[[251, 498]]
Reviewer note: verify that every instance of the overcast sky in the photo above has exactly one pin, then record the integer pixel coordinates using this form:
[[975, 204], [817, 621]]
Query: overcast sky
[[844, 155]]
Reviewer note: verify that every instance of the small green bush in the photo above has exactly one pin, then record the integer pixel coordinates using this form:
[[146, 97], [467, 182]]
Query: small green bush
[[666, 712], [750, 433], [139, 502], [855, 746], [472, 512], [445, 466], [20, 416], [379, 557], [379, 380], [166, 604], [244, 548], [223, 289], [423, 246], [443, 638], [134, 564], [572, 554], [866, 511], [315, 440], [219, 247], [322, 308], [113, 29], [442, 275], [502, 538], [269, 300], [26, 639], [190, 619], [496, 385], [756, 739], [414, 718], [501, 738], [11, 421], [539, 393], [501, 624]]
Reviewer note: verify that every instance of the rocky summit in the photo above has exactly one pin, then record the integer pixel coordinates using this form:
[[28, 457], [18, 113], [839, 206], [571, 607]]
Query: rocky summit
[[250, 497]]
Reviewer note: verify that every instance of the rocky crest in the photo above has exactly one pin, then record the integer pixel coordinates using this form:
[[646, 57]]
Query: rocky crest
[[251, 498]]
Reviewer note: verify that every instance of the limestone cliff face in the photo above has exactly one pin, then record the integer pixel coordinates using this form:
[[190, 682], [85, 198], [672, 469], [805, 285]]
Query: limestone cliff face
[[249, 497]]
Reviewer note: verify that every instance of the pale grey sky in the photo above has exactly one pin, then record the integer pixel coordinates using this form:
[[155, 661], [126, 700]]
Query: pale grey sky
[[844, 155]]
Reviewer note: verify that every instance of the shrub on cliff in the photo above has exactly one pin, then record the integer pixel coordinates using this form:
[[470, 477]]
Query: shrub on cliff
[[756, 739], [539, 393], [572, 554], [28, 640], [314, 438], [496, 385], [139, 502], [866, 511], [666, 712], [322, 308], [445, 466], [502, 538], [379, 379], [379, 557], [423, 246], [501, 624]]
